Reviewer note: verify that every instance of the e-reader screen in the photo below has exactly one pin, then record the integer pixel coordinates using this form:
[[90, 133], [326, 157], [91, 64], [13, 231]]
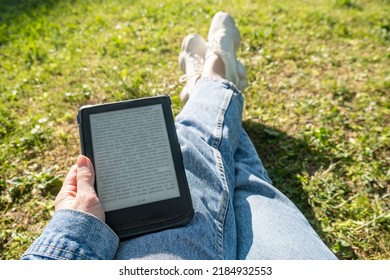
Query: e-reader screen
[[140, 176], [132, 157]]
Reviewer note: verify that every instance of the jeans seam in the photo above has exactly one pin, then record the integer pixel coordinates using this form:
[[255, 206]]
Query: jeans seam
[[217, 138]]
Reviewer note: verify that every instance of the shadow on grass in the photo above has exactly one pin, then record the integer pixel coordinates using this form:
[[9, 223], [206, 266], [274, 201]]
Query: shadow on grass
[[11, 9], [285, 157], [15, 12]]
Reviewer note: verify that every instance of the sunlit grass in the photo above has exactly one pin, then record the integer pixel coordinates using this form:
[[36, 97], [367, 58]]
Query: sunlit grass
[[317, 107]]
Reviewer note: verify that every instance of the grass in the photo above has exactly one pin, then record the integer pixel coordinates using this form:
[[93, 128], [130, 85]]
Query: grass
[[317, 107]]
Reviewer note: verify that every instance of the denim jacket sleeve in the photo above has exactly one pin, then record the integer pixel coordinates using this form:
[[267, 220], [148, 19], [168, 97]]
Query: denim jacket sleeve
[[74, 235]]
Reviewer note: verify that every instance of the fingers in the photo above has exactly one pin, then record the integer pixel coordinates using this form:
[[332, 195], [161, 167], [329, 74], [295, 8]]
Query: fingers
[[71, 178], [78, 191], [68, 190]]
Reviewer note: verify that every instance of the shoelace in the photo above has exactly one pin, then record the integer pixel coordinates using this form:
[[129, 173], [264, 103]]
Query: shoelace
[[197, 61], [215, 48]]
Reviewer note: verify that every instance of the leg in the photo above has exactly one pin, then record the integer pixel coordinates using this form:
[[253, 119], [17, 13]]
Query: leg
[[269, 226], [208, 128]]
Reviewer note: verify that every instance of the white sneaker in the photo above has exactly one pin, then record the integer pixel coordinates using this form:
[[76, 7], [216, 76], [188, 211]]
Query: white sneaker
[[241, 71], [224, 40], [191, 61]]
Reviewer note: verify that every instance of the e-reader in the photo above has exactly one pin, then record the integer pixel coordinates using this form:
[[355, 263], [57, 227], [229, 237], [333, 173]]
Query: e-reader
[[139, 173]]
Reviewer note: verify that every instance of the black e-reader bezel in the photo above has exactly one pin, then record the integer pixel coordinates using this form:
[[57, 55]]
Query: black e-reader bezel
[[150, 217]]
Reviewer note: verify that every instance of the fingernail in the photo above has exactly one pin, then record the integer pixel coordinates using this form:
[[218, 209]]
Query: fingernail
[[82, 161]]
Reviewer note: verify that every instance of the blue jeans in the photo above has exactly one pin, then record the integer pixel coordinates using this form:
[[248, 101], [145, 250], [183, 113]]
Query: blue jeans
[[238, 213]]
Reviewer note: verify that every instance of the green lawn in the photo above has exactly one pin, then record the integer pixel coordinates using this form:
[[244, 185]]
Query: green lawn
[[317, 107]]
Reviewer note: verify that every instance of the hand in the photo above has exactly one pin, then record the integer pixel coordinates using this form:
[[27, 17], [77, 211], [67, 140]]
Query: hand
[[78, 191]]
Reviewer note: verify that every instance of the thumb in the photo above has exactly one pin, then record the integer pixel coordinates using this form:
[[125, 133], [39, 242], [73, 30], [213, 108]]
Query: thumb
[[86, 199], [85, 173]]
